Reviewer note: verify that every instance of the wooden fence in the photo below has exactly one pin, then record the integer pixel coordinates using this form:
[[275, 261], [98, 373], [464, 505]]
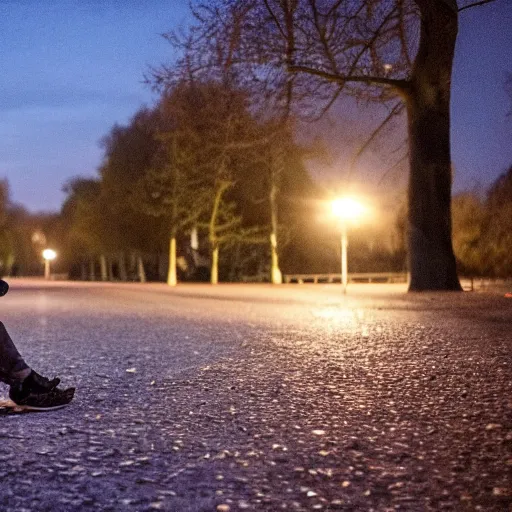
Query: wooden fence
[[362, 277]]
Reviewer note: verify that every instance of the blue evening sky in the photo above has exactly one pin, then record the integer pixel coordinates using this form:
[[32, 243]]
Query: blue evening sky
[[70, 69]]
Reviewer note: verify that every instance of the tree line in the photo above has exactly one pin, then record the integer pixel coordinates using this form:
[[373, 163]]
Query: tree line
[[185, 182], [482, 230], [106, 230], [195, 188]]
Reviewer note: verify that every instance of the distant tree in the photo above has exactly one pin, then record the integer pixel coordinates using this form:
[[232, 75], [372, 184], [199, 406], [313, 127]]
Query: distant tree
[[7, 248], [467, 219], [278, 149], [81, 214], [271, 188], [185, 163], [31, 233], [227, 149], [168, 188], [22, 236], [399, 237], [130, 153], [387, 51], [497, 229], [292, 198], [259, 138]]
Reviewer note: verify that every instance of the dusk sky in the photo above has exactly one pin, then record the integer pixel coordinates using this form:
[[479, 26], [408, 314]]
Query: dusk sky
[[71, 69]]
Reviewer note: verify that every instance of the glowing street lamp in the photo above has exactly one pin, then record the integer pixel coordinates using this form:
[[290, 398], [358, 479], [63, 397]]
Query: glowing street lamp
[[347, 209], [48, 255]]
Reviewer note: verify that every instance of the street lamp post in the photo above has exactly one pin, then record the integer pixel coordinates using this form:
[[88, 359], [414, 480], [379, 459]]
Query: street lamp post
[[48, 255], [347, 209]]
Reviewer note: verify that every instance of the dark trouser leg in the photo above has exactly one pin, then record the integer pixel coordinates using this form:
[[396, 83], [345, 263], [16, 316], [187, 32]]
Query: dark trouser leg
[[12, 365]]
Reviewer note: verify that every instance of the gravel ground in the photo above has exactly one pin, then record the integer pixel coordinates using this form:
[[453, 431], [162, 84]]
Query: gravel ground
[[245, 399]]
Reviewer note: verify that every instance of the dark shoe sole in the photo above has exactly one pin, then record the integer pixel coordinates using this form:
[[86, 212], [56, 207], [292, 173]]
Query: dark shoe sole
[[50, 401], [9, 404]]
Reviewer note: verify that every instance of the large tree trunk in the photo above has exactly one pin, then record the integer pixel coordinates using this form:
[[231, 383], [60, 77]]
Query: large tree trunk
[[431, 258]]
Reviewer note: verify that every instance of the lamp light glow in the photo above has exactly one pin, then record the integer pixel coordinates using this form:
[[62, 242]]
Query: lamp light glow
[[347, 208], [49, 254]]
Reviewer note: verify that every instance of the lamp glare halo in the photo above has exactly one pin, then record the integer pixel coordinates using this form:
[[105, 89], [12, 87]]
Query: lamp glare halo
[[49, 254], [347, 208]]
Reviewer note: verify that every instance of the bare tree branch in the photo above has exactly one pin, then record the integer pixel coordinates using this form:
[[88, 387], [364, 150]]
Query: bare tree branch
[[397, 109], [401, 85], [323, 40], [392, 168], [328, 105], [401, 34], [475, 4], [274, 18]]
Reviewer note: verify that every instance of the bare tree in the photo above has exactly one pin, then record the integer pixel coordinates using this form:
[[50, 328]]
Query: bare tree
[[306, 53], [211, 129], [167, 190], [226, 133]]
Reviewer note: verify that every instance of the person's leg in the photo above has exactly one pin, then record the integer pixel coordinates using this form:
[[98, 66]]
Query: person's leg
[[28, 389], [13, 368], [15, 371]]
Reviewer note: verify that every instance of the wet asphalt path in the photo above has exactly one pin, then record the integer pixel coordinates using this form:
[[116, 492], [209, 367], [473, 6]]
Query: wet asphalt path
[[260, 398]]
